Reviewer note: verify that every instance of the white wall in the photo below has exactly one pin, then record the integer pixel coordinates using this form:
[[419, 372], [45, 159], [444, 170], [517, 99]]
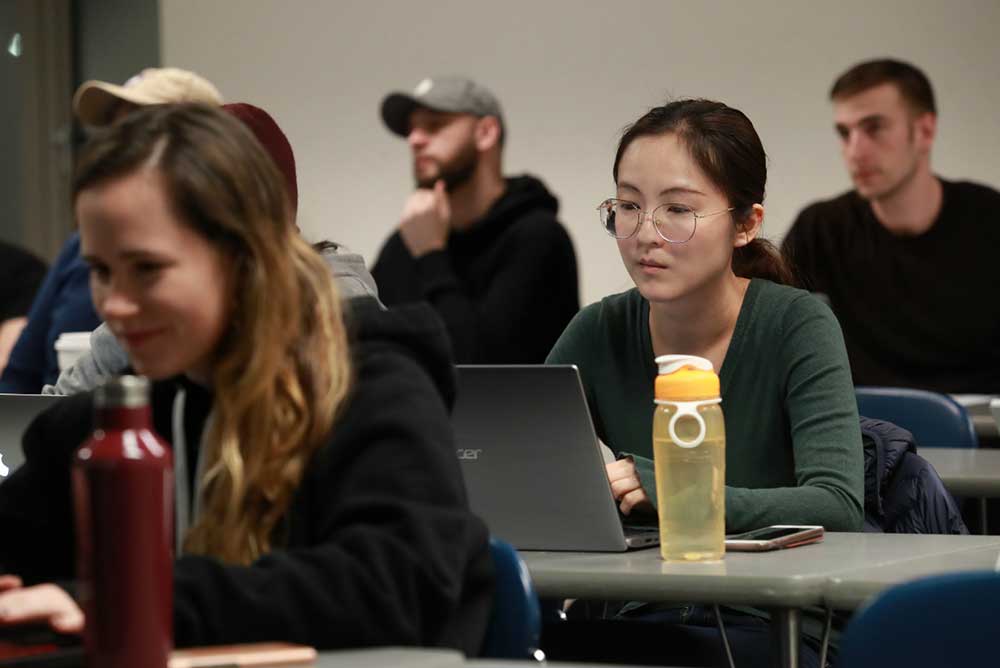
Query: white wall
[[570, 75]]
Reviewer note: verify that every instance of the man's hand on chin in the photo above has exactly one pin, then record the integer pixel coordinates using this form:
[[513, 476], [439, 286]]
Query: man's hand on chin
[[426, 220]]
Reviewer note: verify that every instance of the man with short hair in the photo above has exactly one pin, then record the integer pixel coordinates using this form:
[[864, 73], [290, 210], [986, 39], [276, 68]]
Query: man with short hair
[[486, 251], [907, 259]]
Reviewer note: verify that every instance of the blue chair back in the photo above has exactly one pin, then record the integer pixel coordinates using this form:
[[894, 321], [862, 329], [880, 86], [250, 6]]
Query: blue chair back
[[935, 420], [515, 627], [944, 620]]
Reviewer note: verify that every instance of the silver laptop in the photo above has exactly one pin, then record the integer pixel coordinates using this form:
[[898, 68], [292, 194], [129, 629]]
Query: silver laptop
[[532, 463], [16, 413]]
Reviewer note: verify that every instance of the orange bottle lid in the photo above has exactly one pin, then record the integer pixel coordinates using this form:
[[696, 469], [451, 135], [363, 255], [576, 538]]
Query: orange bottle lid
[[685, 378]]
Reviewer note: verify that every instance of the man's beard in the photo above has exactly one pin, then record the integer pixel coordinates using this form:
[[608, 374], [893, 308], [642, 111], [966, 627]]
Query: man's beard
[[455, 173]]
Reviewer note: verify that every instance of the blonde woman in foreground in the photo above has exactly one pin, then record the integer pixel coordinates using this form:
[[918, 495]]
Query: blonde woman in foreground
[[332, 511]]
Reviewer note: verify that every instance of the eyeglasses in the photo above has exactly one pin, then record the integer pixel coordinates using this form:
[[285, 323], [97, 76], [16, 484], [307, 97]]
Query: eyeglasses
[[675, 223]]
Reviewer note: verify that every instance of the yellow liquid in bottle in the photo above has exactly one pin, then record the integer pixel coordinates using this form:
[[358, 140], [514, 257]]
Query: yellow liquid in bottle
[[690, 487]]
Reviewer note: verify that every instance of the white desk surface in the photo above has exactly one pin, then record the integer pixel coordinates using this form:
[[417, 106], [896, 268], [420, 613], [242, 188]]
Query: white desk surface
[[506, 663], [390, 657], [413, 657], [966, 471], [848, 590], [793, 578], [978, 406], [843, 571]]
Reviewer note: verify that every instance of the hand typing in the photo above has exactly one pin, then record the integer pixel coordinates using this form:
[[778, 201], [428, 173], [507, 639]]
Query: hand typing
[[41, 603], [627, 488]]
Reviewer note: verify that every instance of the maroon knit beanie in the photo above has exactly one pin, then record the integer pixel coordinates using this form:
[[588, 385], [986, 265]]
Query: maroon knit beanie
[[272, 139]]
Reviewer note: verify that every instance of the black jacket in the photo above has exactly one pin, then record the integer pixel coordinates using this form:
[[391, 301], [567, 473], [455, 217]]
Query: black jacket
[[380, 547], [506, 287], [903, 492]]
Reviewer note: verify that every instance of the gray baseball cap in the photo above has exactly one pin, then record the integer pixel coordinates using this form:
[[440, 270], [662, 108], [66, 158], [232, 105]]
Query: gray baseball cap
[[449, 94]]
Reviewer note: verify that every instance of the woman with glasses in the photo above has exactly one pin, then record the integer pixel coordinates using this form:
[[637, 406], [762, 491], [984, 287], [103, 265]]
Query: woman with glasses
[[325, 504], [686, 215]]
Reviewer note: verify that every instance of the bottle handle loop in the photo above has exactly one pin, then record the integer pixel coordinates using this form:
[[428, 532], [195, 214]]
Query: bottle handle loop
[[688, 409]]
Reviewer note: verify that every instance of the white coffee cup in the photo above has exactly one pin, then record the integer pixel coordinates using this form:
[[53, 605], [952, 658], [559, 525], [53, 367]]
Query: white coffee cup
[[70, 346]]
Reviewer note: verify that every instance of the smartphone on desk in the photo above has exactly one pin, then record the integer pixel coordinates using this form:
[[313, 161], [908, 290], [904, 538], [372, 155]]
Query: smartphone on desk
[[775, 537]]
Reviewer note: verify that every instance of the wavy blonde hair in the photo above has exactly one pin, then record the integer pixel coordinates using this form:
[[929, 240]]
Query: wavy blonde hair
[[282, 368]]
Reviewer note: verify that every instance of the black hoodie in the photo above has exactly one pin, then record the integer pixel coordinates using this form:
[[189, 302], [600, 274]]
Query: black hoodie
[[506, 286], [379, 545]]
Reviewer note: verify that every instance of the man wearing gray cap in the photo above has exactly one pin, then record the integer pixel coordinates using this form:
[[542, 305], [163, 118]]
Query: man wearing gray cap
[[486, 251]]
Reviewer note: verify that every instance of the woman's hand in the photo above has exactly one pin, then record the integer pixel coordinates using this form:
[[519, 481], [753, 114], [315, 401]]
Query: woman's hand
[[41, 603], [627, 488]]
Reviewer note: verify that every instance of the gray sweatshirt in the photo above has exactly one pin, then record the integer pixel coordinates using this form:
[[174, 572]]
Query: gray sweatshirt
[[107, 358]]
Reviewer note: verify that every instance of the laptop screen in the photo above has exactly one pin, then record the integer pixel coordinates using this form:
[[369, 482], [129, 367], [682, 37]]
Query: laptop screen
[[531, 460], [17, 412]]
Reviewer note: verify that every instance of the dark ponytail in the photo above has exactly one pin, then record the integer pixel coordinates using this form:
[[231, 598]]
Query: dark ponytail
[[760, 259], [725, 145]]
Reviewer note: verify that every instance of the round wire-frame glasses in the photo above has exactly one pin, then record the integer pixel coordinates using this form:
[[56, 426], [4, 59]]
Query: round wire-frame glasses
[[675, 223]]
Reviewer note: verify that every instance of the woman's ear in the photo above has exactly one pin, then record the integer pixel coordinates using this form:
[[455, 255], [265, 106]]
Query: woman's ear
[[748, 228]]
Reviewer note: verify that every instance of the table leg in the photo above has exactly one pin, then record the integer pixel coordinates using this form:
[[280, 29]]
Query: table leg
[[786, 634]]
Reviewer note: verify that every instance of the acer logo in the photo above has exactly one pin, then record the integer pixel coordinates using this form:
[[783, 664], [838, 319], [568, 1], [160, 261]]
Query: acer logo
[[468, 453]]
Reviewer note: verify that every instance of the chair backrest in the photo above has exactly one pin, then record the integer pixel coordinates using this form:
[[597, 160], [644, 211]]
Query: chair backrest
[[515, 624], [944, 620], [935, 420]]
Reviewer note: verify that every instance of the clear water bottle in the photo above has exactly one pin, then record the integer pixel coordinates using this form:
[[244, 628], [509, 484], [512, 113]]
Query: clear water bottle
[[123, 491], [689, 451]]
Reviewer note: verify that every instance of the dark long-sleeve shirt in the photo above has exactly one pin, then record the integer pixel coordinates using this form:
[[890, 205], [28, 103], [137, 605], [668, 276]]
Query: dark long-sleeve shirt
[[793, 444], [917, 311]]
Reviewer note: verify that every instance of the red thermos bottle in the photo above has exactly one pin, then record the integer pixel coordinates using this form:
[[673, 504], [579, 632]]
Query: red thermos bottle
[[124, 497]]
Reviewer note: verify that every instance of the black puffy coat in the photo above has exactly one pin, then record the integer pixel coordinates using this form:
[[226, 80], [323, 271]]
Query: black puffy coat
[[903, 492]]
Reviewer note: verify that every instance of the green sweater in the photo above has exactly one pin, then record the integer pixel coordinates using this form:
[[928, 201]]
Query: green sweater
[[793, 444]]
